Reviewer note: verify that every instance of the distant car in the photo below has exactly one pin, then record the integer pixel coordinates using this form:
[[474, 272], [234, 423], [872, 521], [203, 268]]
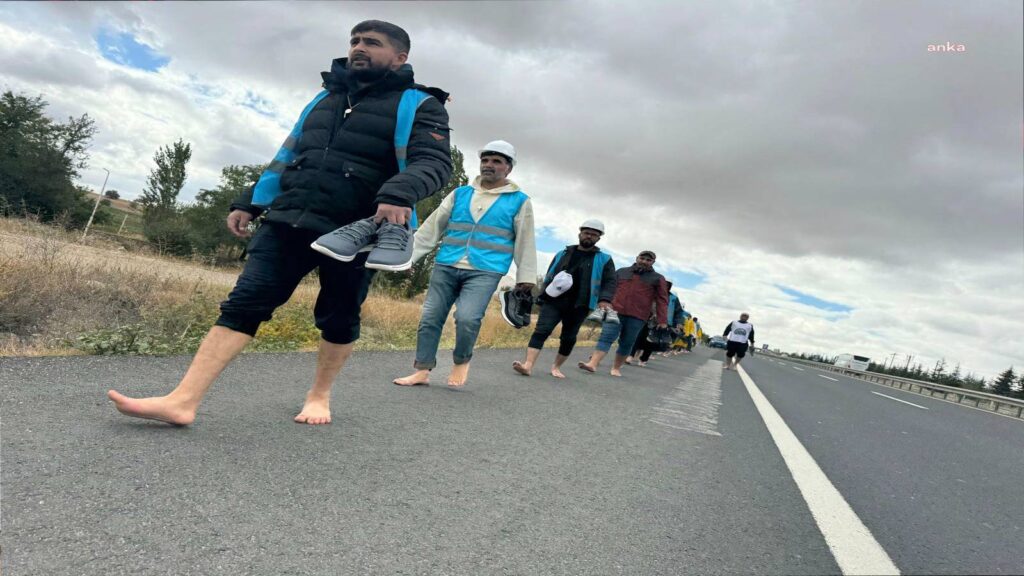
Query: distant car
[[717, 342], [853, 362]]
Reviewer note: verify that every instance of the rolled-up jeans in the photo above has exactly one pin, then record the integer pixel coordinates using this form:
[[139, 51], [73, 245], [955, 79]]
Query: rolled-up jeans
[[469, 291], [626, 330]]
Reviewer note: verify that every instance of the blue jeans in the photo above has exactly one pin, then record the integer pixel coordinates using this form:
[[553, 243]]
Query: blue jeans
[[470, 291], [626, 331]]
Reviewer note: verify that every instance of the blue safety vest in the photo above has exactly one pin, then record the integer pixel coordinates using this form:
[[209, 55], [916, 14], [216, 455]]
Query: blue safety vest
[[596, 273], [269, 185], [488, 244]]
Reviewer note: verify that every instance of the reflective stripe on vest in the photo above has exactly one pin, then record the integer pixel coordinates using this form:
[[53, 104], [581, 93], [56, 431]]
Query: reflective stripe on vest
[[489, 243]]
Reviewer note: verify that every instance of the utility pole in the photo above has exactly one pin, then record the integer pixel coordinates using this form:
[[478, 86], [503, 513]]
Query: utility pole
[[97, 205], [122, 224], [892, 360]]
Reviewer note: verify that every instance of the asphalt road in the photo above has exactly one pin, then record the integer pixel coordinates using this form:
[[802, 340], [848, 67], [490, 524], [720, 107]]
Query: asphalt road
[[669, 470]]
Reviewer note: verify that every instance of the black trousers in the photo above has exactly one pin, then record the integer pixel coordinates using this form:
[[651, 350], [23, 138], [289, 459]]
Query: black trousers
[[642, 346], [279, 258], [550, 316]]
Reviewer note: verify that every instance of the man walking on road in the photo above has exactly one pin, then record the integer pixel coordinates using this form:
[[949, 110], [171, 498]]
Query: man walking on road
[[337, 166], [737, 334], [482, 228], [638, 287], [579, 279]]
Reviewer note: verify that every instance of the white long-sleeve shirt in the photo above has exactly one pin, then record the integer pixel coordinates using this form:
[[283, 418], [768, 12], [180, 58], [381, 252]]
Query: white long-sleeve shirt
[[431, 231]]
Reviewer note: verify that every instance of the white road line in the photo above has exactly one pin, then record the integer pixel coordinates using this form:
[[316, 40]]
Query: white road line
[[828, 378], [853, 546], [796, 368], [897, 399]]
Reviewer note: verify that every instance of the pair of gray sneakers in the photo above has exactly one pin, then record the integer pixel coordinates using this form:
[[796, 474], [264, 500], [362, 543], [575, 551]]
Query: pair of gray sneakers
[[390, 245]]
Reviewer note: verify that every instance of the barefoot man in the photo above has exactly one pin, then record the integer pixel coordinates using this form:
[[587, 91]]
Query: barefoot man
[[638, 289], [482, 229], [337, 166], [580, 279]]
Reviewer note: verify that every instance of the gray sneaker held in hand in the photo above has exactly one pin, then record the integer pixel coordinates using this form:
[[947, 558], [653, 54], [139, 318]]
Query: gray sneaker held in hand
[[393, 252], [347, 242]]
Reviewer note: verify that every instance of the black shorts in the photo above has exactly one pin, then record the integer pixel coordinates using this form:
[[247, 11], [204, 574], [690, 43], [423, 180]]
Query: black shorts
[[279, 258], [738, 349]]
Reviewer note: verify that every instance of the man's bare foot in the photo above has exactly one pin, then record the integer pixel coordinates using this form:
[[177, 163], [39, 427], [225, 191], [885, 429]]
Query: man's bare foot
[[522, 368], [641, 364], [616, 372], [457, 377], [585, 367], [417, 378], [316, 411], [557, 373], [160, 408], [629, 360]]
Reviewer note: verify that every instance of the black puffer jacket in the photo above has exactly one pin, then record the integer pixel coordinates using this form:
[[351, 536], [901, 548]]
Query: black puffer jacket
[[345, 163]]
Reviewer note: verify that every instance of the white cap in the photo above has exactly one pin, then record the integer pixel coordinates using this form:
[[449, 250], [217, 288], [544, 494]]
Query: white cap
[[559, 285], [501, 147], [593, 225]]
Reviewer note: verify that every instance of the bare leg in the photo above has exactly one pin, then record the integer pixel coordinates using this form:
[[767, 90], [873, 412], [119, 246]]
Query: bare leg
[[458, 376], [617, 365], [556, 368], [526, 368], [595, 359], [415, 379], [218, 349], [329, 362]]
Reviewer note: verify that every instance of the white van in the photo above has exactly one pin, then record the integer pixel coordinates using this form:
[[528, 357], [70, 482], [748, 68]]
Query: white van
[[853, 362]]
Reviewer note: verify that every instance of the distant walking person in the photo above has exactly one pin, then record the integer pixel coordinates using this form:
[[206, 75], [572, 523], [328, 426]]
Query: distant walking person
[[738, 333], [580, 279]]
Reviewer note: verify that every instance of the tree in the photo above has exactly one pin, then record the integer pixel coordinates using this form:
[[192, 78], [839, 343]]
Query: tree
[[1003, 384], [40, 159], [417, 279], [168, 178], [112, 194], [205, 218], [1020, 387], [954, 378], [161, 221]]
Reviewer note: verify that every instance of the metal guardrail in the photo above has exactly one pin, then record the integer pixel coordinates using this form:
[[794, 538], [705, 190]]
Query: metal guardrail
[[982, 400]]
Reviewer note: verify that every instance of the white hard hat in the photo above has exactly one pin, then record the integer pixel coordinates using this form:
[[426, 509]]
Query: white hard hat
[[501, 147], [593, 225]]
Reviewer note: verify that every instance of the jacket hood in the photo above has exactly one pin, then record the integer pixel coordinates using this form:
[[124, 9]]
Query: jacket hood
[[339, 79]]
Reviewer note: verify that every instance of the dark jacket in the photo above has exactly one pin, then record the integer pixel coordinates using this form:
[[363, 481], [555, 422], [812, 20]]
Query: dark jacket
[[345, 161], [582, 279], [636, 293]]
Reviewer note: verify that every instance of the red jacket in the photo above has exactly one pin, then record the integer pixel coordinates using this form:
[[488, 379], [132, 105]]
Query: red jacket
[[637, 293]]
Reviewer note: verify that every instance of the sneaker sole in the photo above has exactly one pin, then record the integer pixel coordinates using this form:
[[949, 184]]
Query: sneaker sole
[[504, 315], [333, 255], [390, 267]]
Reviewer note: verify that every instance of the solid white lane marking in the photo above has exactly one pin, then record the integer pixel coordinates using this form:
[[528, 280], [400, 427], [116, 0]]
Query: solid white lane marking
[[828, 378], [693, 405], [798, 368], [853, 546], [897, 399]]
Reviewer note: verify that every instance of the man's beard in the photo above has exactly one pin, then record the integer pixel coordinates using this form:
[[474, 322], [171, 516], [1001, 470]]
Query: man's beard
[[641, 267], [369, 74], [586, 243]]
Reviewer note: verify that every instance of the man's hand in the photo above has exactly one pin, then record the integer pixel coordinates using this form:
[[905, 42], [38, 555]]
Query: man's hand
[[394, 214], [238, 223], [603, 305], [524, 287], [662, 325]]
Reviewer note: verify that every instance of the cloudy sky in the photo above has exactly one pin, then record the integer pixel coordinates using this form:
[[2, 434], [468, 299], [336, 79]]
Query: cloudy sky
[[811, 162]]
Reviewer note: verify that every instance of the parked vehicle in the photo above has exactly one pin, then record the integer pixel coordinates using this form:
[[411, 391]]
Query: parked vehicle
[[853, 362], [717, 342]]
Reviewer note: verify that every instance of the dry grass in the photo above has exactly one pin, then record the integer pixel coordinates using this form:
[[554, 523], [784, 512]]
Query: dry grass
[[58, 297]]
